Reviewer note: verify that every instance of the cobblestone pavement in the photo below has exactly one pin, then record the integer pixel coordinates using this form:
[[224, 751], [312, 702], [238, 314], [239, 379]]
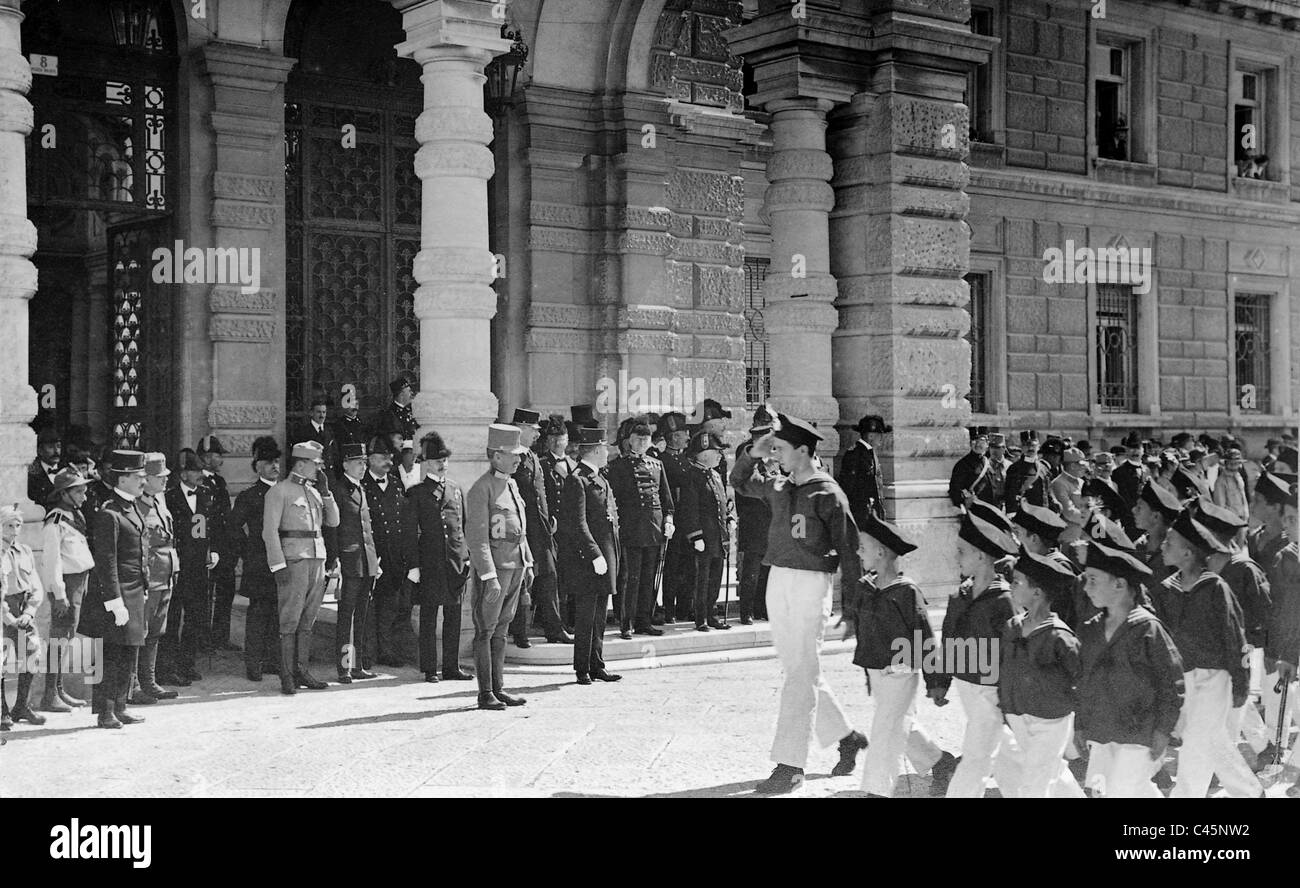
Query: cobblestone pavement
[[681, 731]]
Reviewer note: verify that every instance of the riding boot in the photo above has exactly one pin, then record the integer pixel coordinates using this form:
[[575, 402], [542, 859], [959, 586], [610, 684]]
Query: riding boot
[[302, 676], [51, 701], [288, 662]]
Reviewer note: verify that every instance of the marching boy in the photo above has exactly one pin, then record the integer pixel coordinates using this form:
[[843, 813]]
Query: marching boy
[[1036, 681], [974, 622], [1206, 624], [886, 615], [1131, 685]]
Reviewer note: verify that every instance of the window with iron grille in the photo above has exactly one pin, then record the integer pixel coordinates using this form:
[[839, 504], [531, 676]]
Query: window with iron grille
[[1252, 347], [979, 313], [1117, 379], [758, 376]]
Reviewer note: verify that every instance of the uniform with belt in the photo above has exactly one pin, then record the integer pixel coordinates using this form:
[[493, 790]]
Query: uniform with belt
[[530, 478], [164, 563], [497, 537], [67, 562], [22, 594], [589, 534], [704, 513], [753, 519], [388, 630], [645, 511], [437, 560], [555, 471], [294, 517]]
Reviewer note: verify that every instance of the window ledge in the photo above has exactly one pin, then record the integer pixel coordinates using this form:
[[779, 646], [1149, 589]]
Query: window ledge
[[1261, 420], [1124, 172], [988, 154], [1262, 190]]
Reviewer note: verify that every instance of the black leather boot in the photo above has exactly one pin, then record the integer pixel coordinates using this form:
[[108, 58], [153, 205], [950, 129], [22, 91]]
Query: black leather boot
[[288, 662]]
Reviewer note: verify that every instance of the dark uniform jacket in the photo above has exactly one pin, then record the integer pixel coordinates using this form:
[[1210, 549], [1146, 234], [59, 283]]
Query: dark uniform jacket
[[396, 419], [351, 542], [980, 618], [1038, 672], [887, 614], [193, 538], [39, 483], [589, 529], [1128, 480], [702, 511], [387, 521], [1263, 552], [555, 471], [1283, 642], [1131, 686], [640, 485], [1206, 626], [965, 475], [530, 478], [1249, 585], [812, 527], [754, 517], [246, 536], [433, 525], [346, 431], [218, 516], [675, 471], [97, 493], [1037, 494], [121, 571], [860, 479]]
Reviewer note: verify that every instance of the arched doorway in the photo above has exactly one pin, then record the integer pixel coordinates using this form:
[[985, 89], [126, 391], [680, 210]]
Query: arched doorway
[[352, 216], [101, 190]]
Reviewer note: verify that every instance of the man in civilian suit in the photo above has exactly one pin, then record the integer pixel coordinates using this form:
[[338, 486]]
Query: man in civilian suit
[[531, 480], [262, 623], [190, 614], [352, 545], [588, 541]]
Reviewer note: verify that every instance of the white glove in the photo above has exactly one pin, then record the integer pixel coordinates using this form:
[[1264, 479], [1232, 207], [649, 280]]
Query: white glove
[[413, 575], [699, 545], [600, 565], [379, 569], [115, 607], [669, 527], [213, 558]]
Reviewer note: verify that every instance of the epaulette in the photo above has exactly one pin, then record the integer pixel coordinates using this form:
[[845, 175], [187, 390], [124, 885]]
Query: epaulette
[[54, 516]]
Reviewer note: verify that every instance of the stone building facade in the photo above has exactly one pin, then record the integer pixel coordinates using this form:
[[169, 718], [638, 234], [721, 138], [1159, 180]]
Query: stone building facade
[[840, 206]]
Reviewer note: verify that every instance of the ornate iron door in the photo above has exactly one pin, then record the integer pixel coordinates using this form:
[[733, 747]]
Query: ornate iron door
[[353, 229], [140, 329]]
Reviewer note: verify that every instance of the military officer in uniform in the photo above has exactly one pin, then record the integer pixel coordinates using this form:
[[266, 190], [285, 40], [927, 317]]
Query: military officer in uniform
[[531, 481], [1027, 477], [970, 470], [114, 608], [351, 548], [588, 544], [389, 625], [164, 564], [21, 594], [705, 515], [679, 557], [262, 622], [860, 469], [496, 531], [211, 455], [348, 429], [1067, 491], [293, 520], [188, 618], [993, 487], [557, 466], [396, 423], [753, 518], [438, 559], [645, 511]]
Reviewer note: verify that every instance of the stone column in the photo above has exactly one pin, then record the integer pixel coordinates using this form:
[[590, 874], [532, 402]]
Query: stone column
[[247, 212], [453, 40], [800, 290], [17, 273]]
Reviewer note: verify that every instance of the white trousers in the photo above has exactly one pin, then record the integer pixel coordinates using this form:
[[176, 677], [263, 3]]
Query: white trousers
[[1122, 771], [1209, 744], [1246, 720], [798, 605], [988, 747], [895, 733], [1042, 743]]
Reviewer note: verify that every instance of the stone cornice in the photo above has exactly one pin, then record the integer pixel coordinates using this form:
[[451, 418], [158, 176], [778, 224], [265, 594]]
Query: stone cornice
[[443, 23], [244, 67], [997, 183]]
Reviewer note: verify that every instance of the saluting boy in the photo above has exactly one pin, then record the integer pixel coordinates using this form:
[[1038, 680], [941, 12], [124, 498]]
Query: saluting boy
[[1131, 685], [1039, 670], [1205, 622], [973, 624], [893, 634]]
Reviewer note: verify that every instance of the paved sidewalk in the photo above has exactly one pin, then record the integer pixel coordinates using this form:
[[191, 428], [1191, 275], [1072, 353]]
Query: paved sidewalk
[[697, 730]]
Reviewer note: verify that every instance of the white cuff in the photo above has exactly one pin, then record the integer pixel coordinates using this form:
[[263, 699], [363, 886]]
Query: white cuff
[[484, 579], [276, 568]]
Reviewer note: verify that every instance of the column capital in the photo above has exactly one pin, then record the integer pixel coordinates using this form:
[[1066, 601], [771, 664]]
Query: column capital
[[243, 67], [817, 106], [438, 24]]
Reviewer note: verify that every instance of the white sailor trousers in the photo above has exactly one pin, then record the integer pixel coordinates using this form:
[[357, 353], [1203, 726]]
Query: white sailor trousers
[[1122, 771], [986, 735], [1246, 719], [1208, 747], [798, 605], [895, 733], [1272, 701], [1042, 744]]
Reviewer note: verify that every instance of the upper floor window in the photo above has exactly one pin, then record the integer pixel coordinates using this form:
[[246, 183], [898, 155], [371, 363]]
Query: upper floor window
[[1114, 97], [1253, 126], [979, 82]]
